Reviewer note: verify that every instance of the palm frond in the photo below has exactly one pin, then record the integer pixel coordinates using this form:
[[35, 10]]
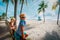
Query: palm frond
[[6, 1], [54, 7], [3, 0], [42, 6], [39, 11], [45, 6], [39, 8]]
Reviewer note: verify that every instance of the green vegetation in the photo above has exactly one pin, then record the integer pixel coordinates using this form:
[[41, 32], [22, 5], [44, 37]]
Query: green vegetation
[[3, 16]]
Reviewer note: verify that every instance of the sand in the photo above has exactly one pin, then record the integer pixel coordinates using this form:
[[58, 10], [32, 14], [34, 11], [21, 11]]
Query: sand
[[37, 30]]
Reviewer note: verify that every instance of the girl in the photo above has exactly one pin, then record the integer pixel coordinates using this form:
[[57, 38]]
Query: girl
[[12, 27]]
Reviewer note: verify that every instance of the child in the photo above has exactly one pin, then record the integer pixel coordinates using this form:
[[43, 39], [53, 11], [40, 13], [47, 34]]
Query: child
[[20, 31], [12, 27]]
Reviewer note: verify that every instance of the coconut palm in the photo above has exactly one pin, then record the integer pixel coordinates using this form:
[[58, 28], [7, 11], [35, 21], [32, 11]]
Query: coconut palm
[[54, 7], [7, 3], [42, 7]]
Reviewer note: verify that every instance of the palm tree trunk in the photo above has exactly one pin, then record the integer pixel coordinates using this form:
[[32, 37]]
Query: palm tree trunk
[[58, 15], [21, 8], [15, 10], [6, 10], [43, 15]]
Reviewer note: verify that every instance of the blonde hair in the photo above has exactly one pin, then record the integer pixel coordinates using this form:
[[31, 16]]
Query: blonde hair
[[22, 15], [13, 19]]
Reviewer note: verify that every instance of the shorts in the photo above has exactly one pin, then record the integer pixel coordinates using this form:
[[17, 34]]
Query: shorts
[[17, 36]]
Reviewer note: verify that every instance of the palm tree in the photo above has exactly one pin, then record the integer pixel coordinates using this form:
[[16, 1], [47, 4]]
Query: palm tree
[[42, 7], [54, 7], [7, 2]]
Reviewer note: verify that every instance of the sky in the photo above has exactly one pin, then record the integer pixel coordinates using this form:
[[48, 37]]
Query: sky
[[31, 9]]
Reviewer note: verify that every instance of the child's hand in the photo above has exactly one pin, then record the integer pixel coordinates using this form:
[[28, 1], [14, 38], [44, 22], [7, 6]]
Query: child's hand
[[23, 37]]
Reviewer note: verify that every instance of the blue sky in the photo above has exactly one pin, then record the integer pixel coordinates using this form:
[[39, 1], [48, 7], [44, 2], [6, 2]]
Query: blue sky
[[31, 9]]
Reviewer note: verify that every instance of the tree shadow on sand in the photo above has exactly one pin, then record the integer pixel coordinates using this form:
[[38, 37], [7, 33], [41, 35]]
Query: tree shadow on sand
[[3, 30], [28, 27], [5, 37], [59, 25], [53, 36]]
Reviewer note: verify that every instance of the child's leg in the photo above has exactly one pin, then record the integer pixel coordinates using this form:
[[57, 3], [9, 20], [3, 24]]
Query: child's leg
[[13, 35], [26, 35]]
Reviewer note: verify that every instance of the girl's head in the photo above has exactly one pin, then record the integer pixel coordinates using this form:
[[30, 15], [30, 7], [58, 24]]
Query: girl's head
[[13, 19], [22, 16]]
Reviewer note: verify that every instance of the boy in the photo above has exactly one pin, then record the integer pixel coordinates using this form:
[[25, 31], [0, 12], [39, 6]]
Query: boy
[[20, 31]]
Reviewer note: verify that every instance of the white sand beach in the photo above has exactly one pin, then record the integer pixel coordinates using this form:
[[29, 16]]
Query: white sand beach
[[37, 30]]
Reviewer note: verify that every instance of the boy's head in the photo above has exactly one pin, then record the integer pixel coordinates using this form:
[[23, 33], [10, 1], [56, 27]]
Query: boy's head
[[22, 16]]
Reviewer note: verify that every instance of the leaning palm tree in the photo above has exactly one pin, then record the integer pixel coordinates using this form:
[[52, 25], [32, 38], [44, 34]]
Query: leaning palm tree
[[54, 7], [42, 7], [7, 3]]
